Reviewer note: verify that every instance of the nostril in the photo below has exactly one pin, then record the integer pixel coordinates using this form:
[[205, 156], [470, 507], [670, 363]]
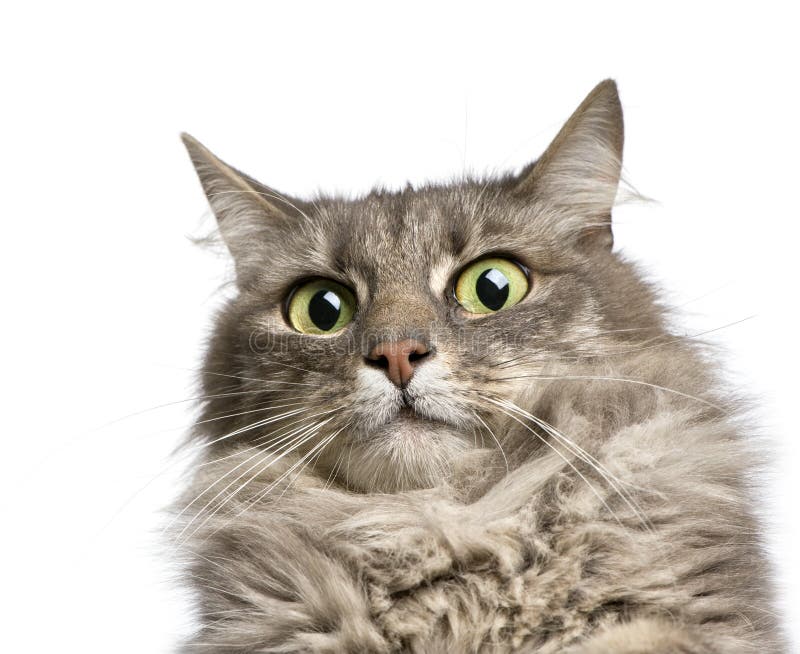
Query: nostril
[[416, 355], [377, 361]]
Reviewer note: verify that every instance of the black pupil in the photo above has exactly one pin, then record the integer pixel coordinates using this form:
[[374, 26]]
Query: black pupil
[[492, 288], [324, 309]]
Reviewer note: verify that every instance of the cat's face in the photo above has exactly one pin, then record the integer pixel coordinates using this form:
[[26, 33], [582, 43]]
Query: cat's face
[[378, 334]]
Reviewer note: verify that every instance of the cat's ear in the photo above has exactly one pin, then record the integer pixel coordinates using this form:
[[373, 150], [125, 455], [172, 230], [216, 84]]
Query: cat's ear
[[248, 213], [580, 170]]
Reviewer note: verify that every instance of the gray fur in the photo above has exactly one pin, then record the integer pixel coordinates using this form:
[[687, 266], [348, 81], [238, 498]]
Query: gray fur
[[475, 524]]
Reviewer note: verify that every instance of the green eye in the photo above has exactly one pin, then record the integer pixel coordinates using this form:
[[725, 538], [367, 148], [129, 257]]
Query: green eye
[[489, 285], [321, 307]]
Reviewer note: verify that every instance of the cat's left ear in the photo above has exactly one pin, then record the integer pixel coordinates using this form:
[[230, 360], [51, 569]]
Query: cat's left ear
[[580, 171]]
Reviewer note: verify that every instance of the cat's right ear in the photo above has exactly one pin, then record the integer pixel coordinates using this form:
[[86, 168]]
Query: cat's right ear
[[248, 213], [579, 173]]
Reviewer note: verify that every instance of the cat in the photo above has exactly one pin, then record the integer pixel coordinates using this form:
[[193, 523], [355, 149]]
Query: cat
[[454, 419]]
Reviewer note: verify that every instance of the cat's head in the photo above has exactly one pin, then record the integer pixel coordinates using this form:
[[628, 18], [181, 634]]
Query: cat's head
[[381, 337]]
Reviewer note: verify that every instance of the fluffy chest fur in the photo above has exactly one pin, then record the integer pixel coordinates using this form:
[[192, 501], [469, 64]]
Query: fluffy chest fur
[[566, 546]]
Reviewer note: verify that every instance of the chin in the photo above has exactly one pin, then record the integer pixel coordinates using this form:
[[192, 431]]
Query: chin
[[407, 453]]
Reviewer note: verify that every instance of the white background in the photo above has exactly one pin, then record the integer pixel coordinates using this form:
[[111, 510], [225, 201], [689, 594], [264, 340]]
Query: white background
[[106, 302]]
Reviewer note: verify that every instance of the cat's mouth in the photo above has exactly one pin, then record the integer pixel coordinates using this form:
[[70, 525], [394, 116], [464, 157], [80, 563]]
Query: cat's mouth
[[429, 404], [408, 424], [416, 410], [413, 418], [407, 412]]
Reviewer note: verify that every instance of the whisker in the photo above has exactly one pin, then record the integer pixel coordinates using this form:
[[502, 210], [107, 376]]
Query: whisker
[[262, 494], [305, 434], [312, 461], [528, 355], [334, 471], [265, 406], [587, 458], [205, 371], [613, 379], [273, 440], [266, 439], [273, 196], [249, 503], [678, 339], [534, 357], [251, 426], [560, 454], [211, 486], [296, 439], [198, 398], [505, 458]]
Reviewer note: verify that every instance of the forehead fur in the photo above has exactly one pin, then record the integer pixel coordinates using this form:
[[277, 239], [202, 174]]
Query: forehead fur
[[405, 235]]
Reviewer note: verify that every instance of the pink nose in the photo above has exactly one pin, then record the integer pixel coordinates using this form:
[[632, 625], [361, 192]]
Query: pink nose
[[398, 358]]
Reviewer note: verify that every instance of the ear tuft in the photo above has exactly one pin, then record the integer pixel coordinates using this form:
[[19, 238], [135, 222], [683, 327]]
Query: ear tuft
[[221, 181]]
